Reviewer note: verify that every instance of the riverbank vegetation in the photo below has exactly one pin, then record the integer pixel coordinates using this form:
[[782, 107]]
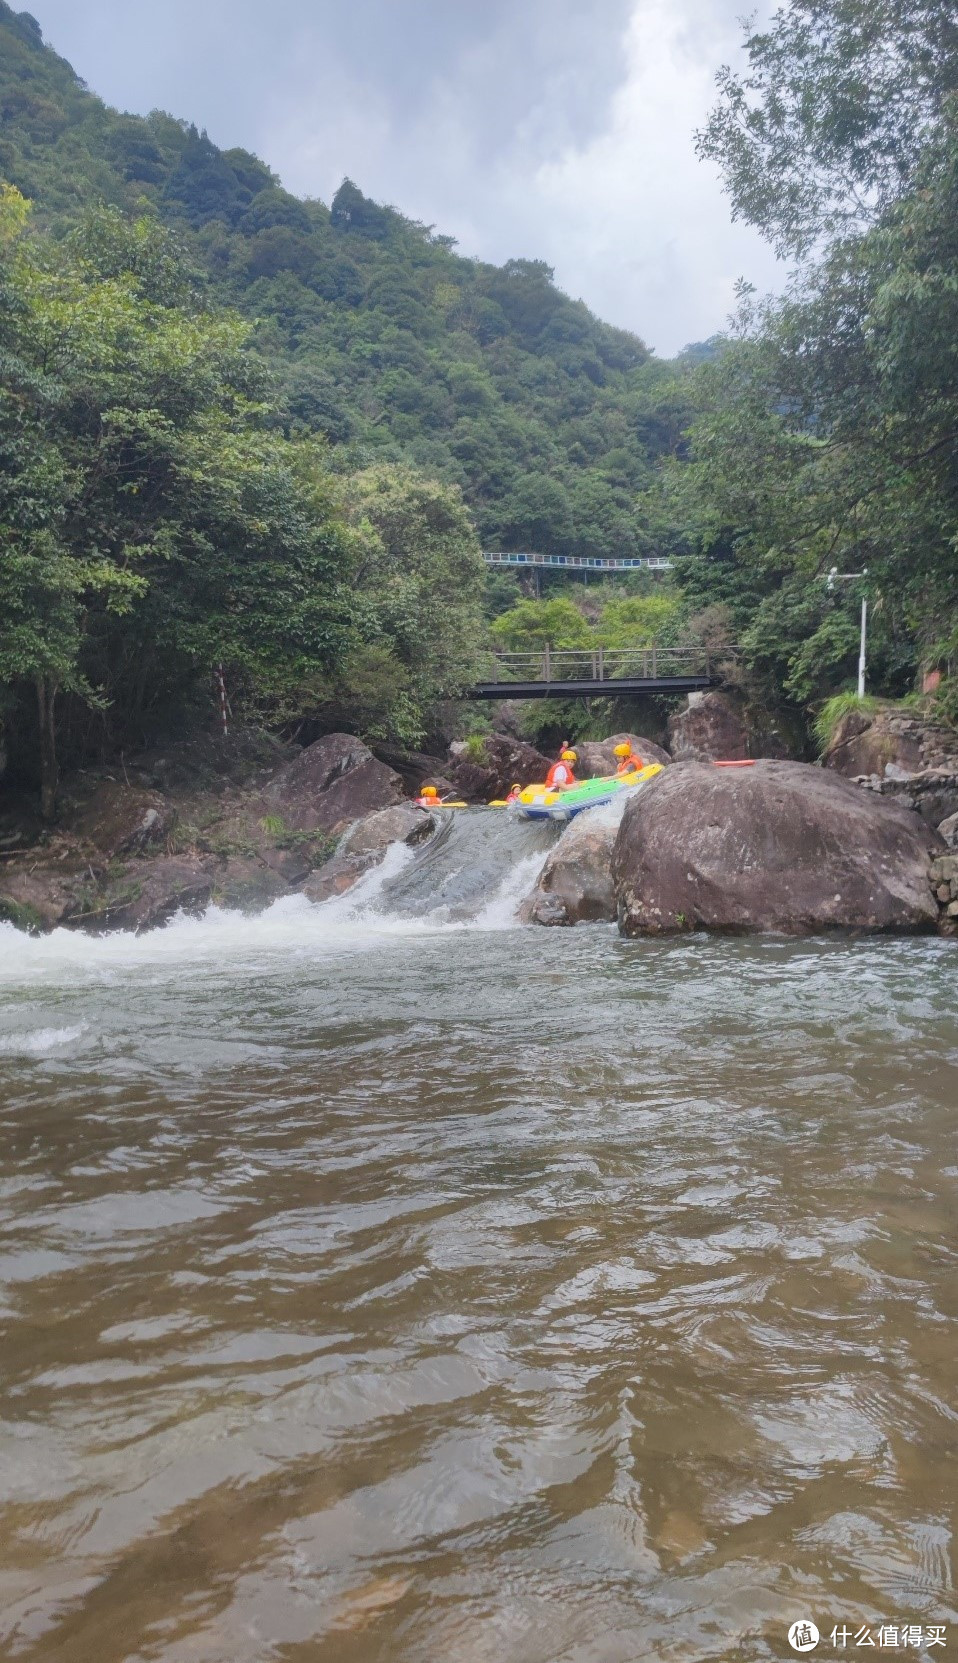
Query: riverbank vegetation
[[158, 527], [827, 430]]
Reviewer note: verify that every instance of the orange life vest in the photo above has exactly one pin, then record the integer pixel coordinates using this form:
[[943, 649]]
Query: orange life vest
[[630, 764], [560, 774]]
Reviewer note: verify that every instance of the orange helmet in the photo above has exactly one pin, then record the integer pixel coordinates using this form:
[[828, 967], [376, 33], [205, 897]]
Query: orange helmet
[[429, 791], [622, 750]]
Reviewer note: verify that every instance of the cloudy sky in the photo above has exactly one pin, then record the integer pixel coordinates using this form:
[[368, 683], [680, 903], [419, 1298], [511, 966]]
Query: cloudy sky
[[548, 129]]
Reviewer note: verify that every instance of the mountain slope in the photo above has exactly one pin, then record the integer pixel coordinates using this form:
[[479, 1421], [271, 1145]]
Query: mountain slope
[[379, 334]]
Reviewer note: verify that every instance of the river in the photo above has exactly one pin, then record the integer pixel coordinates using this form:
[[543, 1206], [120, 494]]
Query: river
[[382, 1281]]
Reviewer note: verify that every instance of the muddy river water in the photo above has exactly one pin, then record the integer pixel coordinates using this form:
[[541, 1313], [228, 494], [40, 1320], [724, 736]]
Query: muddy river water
[[378, 1283]]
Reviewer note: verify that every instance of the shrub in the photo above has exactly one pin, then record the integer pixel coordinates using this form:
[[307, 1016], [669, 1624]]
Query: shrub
[[832, 711]]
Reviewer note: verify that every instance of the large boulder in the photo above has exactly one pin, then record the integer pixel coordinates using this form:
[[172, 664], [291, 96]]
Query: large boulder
[[509, 716], [332, 782], [40, 889], [149, 892], [597, 757], [779, 846], [483, 775], [890, 742], [415, 768], [365, 845], [949, 831], [712, 727], [373, 835], [575, 884], [124, 819], [244, 883]]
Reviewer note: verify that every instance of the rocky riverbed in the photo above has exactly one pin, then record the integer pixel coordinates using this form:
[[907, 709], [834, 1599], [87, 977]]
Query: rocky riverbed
[[781, 846]]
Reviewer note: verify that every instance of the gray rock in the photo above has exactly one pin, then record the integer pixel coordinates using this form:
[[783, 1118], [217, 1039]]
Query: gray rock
[[711, 728], [150, 894], [504, 761], [575, 884], [120, 819], [374, 833], [247, 884], [364, 846], [893, 743], [332, 782], [948, 830], [780, 846]]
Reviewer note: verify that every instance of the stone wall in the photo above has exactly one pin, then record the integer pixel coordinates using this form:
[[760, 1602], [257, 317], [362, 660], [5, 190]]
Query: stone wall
[[944, 882]]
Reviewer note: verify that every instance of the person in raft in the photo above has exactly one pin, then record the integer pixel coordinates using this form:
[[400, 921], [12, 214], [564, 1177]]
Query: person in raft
[[560, 774], [628, 763], [512, 796], [428, 797]]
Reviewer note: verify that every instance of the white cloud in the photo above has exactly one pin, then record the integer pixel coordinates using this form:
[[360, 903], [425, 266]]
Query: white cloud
[[647, 234], [629, 217]]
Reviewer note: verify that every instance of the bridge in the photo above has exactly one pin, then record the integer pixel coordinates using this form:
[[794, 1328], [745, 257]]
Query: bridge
[[551, 673], [576, 562]]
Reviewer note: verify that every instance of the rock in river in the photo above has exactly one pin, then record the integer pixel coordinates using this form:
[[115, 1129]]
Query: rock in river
[[575, 884], [713, 725], [332, 782], [497, 764], [778, 846], [365, 844]]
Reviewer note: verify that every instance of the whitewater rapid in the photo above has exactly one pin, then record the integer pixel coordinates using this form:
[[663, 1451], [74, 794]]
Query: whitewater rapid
[[472, 877]]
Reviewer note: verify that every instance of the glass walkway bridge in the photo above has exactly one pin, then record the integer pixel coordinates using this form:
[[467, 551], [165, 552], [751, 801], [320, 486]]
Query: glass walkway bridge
[[576, 562]]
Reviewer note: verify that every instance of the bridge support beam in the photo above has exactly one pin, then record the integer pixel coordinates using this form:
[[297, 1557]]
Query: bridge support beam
[[591, 689]]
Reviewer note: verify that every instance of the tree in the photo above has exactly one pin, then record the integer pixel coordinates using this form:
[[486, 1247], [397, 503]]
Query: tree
[[151, 524], [830, 432], [418, 594], [537, 515], [39, 622], [531, 625], [830, 123]]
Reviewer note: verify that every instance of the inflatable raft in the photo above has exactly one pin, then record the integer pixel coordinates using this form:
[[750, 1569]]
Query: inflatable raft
[[539, 802]]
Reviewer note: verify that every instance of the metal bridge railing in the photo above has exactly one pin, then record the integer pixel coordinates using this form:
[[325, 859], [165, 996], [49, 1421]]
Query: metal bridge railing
[[650, 662], [577, 562]]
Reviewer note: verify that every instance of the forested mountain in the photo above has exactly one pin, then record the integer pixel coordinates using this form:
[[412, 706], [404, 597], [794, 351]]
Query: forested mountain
[[380, 335]]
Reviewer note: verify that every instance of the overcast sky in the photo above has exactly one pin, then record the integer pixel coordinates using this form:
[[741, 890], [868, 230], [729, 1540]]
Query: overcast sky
[[547, 129]]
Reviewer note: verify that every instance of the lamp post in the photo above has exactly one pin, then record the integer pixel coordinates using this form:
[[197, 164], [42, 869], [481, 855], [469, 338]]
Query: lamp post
[[835, 576]]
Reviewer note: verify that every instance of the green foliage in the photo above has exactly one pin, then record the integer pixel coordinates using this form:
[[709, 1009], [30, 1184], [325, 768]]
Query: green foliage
[[152, 525], [220, 403], [531, 625], [475, 749], [946, 701], [639, 620], [155, 522], [832, 712], [830, 123], [380, 336], [829, 432], [608, 620], [417, 597]]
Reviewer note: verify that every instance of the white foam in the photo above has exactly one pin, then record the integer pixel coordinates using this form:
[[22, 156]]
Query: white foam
[[39, 1042], [500, 912], [289, 928]]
